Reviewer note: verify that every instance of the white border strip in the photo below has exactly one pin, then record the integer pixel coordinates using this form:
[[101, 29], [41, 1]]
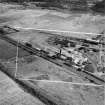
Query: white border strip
[[17, 53], [90, 84], [60, 31]]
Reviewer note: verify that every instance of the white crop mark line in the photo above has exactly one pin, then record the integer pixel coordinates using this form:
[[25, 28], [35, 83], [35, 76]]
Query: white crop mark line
[[90, 84], [17, 54], [60, 31]]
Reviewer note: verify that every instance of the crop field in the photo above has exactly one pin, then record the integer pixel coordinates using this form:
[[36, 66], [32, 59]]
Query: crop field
[[74, 94]]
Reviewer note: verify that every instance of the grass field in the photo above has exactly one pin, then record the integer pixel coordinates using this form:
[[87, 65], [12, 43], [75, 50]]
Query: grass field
[[36, 68], [51, 19], [8, 51], [75, 94], [12, 94]]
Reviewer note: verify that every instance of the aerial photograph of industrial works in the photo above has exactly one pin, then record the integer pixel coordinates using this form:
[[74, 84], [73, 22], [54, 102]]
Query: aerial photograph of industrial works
[[52, 52]]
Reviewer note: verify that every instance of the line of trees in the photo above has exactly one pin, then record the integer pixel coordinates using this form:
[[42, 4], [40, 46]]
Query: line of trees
[[69, 4], [20, 1], [99, 6]]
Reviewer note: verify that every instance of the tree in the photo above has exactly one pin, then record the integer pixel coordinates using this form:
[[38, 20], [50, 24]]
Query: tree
[[99, 7]]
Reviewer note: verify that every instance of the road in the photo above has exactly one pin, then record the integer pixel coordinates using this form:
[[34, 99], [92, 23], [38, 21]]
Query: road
[[58, 62]]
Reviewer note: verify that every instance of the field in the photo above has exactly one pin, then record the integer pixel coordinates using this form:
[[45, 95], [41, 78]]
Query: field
[[60, 83], [32, 67], [3, 77], [27, 20], [74, 94], [36, 68], [8, 51], [12, 94], [52, 20]]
